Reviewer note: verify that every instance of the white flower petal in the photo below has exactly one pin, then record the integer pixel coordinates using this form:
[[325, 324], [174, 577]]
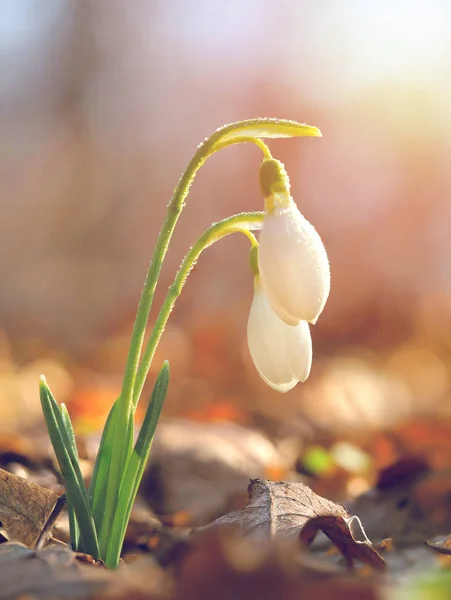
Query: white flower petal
[[283, 388], [299, 348], [281, 312], [293, 264], [282, 353]]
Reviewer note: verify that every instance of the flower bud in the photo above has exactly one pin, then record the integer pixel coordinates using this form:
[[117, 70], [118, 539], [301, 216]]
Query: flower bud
[[292, 260], [282, 353]]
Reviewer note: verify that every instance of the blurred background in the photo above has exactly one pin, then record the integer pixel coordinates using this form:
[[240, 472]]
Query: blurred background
[[102, 104]]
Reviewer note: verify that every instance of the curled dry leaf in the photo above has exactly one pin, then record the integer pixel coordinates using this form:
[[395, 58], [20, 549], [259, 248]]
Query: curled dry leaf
[[442, 547], [339, 532], [291, 508], [26, 509], [280, 507]]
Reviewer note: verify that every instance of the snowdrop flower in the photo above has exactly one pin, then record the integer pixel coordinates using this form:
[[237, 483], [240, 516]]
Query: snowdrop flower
[[282, 353], [292, 260]]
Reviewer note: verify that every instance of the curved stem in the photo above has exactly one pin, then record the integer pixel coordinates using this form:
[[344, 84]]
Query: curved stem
[[174, 209], [240, 140], [241, 223], [122, 425]]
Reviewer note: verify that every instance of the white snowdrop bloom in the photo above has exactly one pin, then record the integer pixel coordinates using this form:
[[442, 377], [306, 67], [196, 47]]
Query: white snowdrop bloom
[[292, 260], [282, 353]]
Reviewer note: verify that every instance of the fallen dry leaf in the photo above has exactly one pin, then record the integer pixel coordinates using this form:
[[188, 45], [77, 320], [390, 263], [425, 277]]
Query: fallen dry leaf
[[280, 507], [292, 509], [201, 468], [442, 547], [49, 573], [25, 509], [338, 531]]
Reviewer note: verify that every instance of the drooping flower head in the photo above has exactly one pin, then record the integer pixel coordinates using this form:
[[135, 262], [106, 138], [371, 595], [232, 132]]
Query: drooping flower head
[[292, 260], [291, 285]]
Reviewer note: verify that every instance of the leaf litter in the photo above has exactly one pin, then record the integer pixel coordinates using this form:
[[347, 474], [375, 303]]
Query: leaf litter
[[27, 510], [292, 509], [286, 540]]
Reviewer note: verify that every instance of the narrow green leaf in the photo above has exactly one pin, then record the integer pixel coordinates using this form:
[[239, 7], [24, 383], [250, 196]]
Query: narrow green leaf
[[135, 467], [73, 525], [69, 429], [74, 530], [70, 469], [68, 437], [104, 502], [62, 444], [98, 485], [121, 448]]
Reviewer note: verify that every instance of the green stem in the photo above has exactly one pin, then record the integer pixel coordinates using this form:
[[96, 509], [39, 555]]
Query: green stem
[[123, 421], [175, 207], [242, 223]]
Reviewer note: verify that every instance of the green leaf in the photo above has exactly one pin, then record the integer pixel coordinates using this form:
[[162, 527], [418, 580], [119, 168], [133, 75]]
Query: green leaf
[[70, 469], [135, 467], [104, 501], [98, 485], [73, 525], [102, 504], [68, 437]]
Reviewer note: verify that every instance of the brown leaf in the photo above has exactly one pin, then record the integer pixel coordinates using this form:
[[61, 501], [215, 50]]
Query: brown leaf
[[443, 547], [280, 507], [57, 572], [338, 531], [51, 572], [292, 509], [25, 508]]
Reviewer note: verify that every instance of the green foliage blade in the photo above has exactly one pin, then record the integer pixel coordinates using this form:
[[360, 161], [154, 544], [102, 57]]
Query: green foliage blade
[[73, 525], [136, 465], [98, 485], [70, 469], [104, 502]]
